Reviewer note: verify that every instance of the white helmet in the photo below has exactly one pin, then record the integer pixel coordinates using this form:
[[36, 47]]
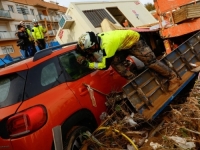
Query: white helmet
[[35, 21], [85, 42]]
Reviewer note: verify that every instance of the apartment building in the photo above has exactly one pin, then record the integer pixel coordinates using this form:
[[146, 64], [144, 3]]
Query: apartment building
[[13, 11]]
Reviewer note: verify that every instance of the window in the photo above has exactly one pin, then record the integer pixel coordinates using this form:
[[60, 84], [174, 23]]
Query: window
[[10, 8], [21, 9], [43, 77], [96, 16], [32, 12], [49, 74], [4, 90], [6, 49], [8, 91], [73, 69]]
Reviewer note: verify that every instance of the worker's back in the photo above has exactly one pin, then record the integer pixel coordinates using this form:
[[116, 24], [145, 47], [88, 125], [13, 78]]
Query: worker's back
[[118, 40]]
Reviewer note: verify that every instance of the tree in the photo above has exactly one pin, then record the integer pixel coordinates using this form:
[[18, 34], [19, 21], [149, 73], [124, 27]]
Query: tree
[[149, 6]]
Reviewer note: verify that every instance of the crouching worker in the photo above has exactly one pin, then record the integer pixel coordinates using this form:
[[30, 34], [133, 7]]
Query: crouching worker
[[122, 43]]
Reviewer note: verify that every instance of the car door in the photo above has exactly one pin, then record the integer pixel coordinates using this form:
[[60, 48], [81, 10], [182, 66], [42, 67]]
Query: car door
[[117, 80], [78, 75], [45, 86]]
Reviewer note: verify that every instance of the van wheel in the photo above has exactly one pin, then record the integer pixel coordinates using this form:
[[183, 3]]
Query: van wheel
[[75, 138]]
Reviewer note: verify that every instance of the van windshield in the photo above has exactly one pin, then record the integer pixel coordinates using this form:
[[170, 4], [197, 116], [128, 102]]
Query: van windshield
[[11, 88]]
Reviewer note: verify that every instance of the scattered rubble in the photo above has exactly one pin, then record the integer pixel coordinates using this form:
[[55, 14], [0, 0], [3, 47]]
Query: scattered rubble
[[124, 129]]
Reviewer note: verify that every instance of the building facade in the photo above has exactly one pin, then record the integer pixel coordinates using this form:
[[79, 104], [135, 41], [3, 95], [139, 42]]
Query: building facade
[[87, 16], [12, 12]]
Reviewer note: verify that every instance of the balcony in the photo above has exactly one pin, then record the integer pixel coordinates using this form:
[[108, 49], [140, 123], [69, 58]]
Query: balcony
[[7, 35], [55, 19], [28, 17], [42, 17], [50, 33], [5, 14], [55, 31], [17, 16]]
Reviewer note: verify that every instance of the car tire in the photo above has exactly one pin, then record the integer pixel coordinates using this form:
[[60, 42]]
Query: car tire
[[74, 138]]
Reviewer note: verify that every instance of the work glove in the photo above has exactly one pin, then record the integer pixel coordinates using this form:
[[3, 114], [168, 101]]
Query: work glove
[[82, 61], [85, 63]]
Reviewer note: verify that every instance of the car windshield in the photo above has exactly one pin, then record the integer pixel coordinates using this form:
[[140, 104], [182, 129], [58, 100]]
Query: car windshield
[[11, 88]]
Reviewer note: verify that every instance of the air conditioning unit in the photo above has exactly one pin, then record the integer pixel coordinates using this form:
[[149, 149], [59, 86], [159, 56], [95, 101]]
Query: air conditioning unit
[[66, 22]]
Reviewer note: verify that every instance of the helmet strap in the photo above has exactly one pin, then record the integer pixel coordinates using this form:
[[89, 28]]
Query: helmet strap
[[98, 43]]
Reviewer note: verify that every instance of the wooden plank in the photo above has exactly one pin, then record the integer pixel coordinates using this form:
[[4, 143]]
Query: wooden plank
[[186, 12]]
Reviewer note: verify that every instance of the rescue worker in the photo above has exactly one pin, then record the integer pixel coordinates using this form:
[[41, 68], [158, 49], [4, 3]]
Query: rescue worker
[[123, 43], [38, 34], [131, 63], [31, 39]]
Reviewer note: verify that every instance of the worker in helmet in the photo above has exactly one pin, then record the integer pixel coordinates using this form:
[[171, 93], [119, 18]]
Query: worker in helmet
[[38, 33], [123, 43], [131, 63], [31, 39]]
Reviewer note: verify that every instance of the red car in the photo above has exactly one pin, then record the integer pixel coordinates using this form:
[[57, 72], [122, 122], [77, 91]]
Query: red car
[[47, 90]]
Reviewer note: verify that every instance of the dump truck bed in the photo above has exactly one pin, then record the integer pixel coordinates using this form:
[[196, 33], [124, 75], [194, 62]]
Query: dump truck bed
[[148, 92]]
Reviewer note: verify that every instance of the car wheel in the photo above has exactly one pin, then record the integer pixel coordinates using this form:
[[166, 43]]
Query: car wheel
[[75, 138]]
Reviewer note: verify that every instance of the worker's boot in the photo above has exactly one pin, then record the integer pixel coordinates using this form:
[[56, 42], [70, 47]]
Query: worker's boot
[[167, 72], [129, 75], [174, 82], [122, 70]]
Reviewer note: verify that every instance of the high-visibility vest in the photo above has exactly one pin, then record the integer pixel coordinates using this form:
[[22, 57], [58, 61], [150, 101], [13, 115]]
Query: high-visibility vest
[[38, 32], [29, 34], [113, 41]]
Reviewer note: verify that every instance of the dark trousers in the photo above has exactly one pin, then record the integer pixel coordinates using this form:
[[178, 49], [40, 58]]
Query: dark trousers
[[25, 49], [144, 53], [28, 51], [41, 44], [33, 48]]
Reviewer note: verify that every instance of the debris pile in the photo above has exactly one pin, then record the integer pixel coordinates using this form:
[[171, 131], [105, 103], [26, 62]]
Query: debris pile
[[123, 128], [180, 128]]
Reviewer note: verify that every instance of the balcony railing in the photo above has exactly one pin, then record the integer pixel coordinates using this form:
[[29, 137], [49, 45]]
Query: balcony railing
[[42, 17], [55, 31], [51, 33], [55, 19], [7, 35], [5, 14]]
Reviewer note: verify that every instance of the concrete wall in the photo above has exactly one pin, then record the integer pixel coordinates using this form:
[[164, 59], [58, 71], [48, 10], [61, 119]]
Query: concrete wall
[[129, 9], [79, 26], [10, 43], [41, 3], [18, 16]]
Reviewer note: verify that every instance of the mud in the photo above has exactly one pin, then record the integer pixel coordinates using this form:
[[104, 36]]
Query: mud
[[180, 119]]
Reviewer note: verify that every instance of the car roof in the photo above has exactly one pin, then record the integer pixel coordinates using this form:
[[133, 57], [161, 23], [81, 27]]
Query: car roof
[[31, 62]]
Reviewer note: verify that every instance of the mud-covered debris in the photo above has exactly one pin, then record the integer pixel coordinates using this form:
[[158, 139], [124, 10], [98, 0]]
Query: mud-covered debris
[[155, 146], [182, 142], [123, 128], [180, 128]]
